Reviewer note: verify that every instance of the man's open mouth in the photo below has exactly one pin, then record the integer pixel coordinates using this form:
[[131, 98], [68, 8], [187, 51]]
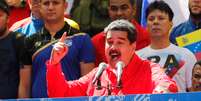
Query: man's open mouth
[[115, 55]]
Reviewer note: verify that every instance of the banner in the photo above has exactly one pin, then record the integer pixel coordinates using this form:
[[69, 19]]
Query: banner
[[193, 96]]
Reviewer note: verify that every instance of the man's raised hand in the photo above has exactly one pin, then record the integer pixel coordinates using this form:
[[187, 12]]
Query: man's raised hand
[[59, 50]]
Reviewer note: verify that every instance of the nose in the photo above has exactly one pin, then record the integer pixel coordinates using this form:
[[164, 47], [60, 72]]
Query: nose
[[113, 46], [119, 12], [155, 21], [50, 6]]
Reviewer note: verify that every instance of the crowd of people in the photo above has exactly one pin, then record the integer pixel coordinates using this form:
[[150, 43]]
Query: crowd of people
[[44, 53]]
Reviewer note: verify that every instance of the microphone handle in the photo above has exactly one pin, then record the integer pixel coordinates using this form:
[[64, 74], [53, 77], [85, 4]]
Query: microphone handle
[[99, 87], [119, 84]]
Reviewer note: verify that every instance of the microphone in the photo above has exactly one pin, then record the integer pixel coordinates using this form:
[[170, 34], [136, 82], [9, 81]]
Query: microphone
[[119, 65], [101, 68]]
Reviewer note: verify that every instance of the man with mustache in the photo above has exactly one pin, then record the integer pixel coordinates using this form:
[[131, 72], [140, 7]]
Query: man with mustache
[[137, 76], [176, 61], [193, 23]]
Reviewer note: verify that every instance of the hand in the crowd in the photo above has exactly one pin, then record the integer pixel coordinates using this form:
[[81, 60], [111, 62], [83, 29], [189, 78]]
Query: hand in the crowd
[[165, 87], [59, 50]]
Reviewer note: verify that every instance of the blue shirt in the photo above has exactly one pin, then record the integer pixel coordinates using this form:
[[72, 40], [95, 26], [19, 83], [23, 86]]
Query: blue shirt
[[80, 50], [182, 29], [185, 28], [28, 26]]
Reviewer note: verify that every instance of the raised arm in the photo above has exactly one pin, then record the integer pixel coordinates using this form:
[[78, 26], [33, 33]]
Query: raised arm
[[57, 84]]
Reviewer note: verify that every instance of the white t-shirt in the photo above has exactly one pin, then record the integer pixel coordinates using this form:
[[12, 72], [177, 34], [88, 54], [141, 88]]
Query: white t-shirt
[[176, 61]]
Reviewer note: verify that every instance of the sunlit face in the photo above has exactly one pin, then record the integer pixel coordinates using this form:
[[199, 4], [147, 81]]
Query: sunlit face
[[195, 6], [196, 78], [120, 9], [53, 10], [118, 47], [158, 24], [3, 22]]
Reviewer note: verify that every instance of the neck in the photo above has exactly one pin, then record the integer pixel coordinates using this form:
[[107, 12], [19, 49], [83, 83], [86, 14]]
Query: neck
[[159, 43], [4, 33], [54, 27], [36, 15], [196, 20]]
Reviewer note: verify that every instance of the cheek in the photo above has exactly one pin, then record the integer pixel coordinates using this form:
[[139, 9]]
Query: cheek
[[168, 28], [112, 14], [126, 52], [106, 50], [129, 13], [149, 26], [3, 20]]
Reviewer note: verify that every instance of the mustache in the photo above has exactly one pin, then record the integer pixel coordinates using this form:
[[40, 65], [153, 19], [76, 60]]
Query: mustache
[[113, 51]]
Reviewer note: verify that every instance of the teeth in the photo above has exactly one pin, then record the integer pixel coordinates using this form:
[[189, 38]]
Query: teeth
[[115, 58], [114, 54]]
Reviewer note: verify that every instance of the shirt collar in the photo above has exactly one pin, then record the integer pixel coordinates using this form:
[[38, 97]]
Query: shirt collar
[[59, 33]]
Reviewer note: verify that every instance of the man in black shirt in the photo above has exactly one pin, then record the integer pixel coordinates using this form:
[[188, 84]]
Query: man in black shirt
[[14, 71]]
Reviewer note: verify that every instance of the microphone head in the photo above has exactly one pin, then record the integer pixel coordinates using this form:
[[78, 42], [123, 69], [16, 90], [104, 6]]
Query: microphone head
[[120, 64], [101, 68], [102, 65]]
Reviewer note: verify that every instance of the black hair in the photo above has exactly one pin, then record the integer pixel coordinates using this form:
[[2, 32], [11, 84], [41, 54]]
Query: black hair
[[162, 6], [132, 2], [197, 63], [4, 6], [123, 25]]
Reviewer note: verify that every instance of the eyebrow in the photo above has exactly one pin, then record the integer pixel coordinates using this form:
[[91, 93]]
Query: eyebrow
[[118, 5], [117, 38], [122, 38]]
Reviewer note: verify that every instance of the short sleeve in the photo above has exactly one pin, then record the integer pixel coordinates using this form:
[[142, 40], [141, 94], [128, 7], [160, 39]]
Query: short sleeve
[[87, 52]]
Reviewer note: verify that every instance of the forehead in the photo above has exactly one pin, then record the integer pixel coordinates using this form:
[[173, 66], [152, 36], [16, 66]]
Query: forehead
[[157, 12], [116, 34], [119, 2], [35, 0], [52, 0], [197, 68]]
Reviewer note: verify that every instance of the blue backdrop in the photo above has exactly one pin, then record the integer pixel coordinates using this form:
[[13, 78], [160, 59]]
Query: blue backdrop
[[194, 96]]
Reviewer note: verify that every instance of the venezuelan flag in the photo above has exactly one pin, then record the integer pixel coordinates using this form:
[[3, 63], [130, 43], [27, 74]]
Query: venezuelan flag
[[192, 41]]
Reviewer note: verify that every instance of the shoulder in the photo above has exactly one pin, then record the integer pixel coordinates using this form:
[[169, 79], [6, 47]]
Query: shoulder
[[17, 35], [20, 24], [98, 37], [183, 51], [80, 39], [143, 50], [80, 35], [182, 28], [72, 23]]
